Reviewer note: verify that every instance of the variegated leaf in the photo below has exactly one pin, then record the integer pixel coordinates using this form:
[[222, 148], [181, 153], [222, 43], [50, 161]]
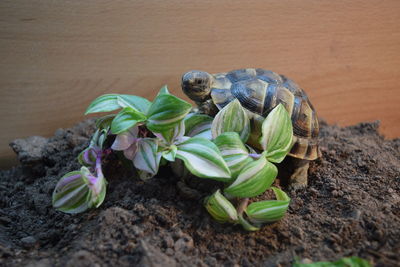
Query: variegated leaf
[[147, 157], [254, 179], [220, 208], [170, 154], [165, 112], [163, 90], [78, 191], [269, 210], [105, 121], [232, 118], [246, 225], [125, 139], [277, 134], [88, 157], [233, 151], [172, 135], [198, 125], [126, 119], [203, 159], [111, 102]]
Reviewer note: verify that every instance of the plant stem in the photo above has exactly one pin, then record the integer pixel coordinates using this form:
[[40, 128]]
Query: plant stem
[[99, 172], [242, 206]]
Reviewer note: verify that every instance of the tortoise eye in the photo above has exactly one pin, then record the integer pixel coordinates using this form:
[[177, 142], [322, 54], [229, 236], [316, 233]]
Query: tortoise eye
[[198, 81]]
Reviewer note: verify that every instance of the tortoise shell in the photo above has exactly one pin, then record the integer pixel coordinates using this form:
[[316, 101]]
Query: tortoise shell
[[259, 91]]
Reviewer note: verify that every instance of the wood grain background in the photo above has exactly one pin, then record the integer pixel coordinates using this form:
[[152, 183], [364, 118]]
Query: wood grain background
[[56, 56]]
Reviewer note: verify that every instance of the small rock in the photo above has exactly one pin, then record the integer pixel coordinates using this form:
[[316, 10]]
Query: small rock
[[28, 241], [306, 261], [168, 242], [185, 243], [5, 220], [355, 214], [251, 242], [298, 232], [29, 150], [40, 263], [152, 256], [84, 258]]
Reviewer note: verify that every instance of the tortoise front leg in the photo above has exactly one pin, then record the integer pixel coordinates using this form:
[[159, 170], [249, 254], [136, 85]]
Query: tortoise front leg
[[298, 179]]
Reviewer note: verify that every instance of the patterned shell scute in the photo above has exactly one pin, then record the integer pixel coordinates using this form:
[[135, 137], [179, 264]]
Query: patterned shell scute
[[259, 91]]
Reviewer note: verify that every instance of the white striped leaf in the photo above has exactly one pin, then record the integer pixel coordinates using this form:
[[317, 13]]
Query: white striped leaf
[[125, 119], [163, 90], [172, 135], [147, 157], [233, 151], [220, 208], [105, 121], [87, 157], [98, 138], [165, 112], [203, 159], [198, 125], [277, 134], [170, 154], [137, 103], [256, 177], [111, 102], [232, 118], [246, 225], [269, 210], [78, 191]]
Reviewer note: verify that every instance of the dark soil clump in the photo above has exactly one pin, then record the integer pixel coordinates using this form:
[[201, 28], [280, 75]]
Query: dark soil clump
[[350, 208]]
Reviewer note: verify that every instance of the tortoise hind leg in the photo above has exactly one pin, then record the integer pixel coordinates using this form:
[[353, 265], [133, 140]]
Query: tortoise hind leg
[[293, 173]]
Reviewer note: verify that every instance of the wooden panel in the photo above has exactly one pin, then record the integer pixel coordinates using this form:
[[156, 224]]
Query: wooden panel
[[56, 56]]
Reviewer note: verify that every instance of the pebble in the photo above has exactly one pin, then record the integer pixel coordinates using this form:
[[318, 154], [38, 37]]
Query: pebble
[[298, 232], [168, 242], [184, 243], [28, 241], [356, 214], [5, 220]]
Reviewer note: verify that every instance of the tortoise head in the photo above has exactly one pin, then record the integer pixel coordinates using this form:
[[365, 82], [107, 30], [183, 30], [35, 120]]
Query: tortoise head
[[197, 85]]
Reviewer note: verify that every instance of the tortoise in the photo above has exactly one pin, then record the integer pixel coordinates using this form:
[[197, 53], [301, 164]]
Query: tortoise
[[259, 91]]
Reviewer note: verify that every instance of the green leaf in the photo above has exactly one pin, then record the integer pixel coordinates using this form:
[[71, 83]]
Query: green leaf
[[78, 191], [87, 157], [105, 121], [126, 118], [98, 138], [163, 90], [232, 118], [269, 210], [203, 159], [198, 125], [111, 102], [233, 151], [137, 103], [147, 158], [254, 179], [344, 262], [172, 135], [220, 208], [246, 225], [165, 112], [170, 154], [277, 134], [104, 103]]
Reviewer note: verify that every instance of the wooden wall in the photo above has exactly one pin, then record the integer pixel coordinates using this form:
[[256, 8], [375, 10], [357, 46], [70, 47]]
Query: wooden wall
[[56, 56]]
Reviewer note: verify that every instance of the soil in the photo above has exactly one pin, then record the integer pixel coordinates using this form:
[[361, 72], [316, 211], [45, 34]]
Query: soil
[[350, 208]]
